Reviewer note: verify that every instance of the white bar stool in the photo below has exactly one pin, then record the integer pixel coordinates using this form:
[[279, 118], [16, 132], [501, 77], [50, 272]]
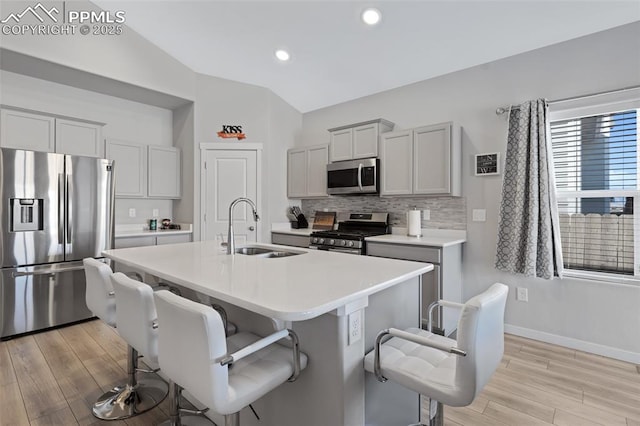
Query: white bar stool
[[225, 374], [447, 371], [101, 300], [120, 402]]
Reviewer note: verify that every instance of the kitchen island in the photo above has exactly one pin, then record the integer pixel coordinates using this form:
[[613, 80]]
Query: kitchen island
[[335, 303]]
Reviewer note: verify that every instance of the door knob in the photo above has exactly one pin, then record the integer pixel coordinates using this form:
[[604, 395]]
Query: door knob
[[252, 228]]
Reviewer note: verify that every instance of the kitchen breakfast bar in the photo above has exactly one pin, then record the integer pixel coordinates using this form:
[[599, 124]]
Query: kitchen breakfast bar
[[335, 306]]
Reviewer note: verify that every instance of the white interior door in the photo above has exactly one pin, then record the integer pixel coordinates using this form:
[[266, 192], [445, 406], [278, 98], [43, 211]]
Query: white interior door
[[230, 174]]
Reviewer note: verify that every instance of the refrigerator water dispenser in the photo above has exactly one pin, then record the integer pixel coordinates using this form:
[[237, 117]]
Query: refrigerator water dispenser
[[26, 214]]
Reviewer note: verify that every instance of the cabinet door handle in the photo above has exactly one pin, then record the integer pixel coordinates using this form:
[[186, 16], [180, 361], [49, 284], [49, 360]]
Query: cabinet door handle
[[252, 228]]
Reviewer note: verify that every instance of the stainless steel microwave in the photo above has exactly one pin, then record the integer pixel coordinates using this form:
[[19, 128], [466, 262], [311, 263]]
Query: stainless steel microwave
[[353, 176]]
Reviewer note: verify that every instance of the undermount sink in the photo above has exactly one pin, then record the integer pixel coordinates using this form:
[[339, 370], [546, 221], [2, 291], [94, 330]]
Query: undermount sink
[[252, 251], [281, 254], [266, 252]]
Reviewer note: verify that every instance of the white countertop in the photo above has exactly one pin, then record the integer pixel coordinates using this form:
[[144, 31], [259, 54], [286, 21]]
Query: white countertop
[[430, 237], [136, 230], [291, 288], [285, 228]]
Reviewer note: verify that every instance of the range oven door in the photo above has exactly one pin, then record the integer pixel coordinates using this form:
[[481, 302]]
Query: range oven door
[[353, 177], [337, 249]]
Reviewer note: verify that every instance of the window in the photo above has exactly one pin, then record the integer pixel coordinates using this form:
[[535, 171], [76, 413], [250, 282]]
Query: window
[[596, 171]]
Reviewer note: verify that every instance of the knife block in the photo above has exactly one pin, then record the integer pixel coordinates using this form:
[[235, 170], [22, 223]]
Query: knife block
[[300, 223]]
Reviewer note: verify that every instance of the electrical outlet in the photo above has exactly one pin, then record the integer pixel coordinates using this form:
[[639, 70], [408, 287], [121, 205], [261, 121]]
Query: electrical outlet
[[155, 213], [479, 215], [426, 214], [132, 212], [355, 326], [522, 294]]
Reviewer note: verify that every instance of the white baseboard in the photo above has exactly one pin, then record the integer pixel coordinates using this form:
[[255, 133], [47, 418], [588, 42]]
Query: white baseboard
[[572, 343]]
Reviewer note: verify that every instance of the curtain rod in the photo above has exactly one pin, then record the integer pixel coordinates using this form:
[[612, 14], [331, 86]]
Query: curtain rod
[[502, 110]]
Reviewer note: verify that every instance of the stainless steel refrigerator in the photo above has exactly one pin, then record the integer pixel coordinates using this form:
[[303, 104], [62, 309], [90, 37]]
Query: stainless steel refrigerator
[[56, 210]]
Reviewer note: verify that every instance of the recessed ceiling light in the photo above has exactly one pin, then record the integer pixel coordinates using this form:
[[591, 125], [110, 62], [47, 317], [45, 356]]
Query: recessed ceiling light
[[371, 16], [282, 55]]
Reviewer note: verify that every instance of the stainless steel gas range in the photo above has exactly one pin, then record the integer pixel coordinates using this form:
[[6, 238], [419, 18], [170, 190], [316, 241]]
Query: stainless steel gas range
[[351, 233]]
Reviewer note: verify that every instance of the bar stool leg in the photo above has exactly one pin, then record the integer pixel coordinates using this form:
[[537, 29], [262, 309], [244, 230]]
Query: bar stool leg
[[439, 418], [137, 396], [436, 413], [175, 419], [232, 419]]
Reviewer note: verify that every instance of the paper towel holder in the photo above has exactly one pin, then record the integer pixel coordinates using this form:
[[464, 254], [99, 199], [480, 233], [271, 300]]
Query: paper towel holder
[[414, 223]]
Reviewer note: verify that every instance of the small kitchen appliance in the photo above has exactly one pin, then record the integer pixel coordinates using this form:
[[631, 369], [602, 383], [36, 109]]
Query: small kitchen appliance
[[353, 177], [351, 233]]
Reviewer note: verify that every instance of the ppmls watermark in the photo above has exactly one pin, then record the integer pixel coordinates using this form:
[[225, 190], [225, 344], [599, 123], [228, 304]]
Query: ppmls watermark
[[56, 19]]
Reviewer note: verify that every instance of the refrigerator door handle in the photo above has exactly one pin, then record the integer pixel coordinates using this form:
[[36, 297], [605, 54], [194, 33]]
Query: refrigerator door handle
[[48, 271], [61, 209], [67, 207]]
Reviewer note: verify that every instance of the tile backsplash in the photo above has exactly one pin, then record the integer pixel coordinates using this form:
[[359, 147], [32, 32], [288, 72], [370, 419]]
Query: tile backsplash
[[446, 212]]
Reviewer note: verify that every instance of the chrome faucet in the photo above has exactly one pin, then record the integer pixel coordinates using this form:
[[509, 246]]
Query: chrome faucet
[[231, 244]]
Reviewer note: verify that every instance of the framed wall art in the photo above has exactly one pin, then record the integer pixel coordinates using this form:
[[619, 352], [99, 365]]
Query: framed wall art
[[487, 164]]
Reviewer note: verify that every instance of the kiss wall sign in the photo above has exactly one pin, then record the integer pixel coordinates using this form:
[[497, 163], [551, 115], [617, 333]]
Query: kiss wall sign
[[229, 131]]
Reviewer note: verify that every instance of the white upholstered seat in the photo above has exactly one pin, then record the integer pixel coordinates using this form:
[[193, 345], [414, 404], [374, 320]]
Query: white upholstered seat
[[136, 315], [100, 297], [225, 374], [449, 371]]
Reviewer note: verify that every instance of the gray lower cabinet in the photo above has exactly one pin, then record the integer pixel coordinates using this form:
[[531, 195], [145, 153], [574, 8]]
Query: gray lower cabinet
[[290, 239], [444, 282], [150, 240]]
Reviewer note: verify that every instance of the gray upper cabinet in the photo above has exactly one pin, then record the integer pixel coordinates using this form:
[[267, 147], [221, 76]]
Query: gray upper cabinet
[[25, 130], [164, 172], [396, 175], [30, 130], [129, 167], [357, 140], [421, 161], [297, 173], [79, 138], [143, 171], [341, 145], [307, 171]]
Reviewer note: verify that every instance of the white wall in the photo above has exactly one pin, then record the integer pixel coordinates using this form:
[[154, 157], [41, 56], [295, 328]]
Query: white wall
[[265, 119], [125, 120], [127, 57], [183, 127], [600, 316], [285, 128]]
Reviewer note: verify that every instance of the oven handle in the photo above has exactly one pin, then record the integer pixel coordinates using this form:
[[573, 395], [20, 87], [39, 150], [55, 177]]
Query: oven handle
[[360, 166], [336, 249]]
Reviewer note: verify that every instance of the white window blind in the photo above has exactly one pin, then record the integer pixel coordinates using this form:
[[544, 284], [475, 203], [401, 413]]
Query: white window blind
[[596, 171]]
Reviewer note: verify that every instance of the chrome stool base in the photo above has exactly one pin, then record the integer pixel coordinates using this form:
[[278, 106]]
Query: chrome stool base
[[127, 401], [190, 420]]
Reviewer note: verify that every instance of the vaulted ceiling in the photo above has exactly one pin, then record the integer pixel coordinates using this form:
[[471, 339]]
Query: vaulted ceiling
[[335, 57]]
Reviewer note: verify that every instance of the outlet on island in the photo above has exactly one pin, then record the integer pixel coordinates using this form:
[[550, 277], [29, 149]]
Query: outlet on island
[[355, 327]]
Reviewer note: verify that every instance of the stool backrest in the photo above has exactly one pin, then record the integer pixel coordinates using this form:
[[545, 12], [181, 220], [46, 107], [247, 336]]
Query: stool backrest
[[191, 343], [481, 334], [98, 296], [136, 315]]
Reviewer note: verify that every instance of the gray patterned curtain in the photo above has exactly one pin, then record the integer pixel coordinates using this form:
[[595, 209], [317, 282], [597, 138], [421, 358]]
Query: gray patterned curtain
[[529, 231]]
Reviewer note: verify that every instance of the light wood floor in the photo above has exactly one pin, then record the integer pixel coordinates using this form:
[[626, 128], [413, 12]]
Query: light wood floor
[[52, 378]]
